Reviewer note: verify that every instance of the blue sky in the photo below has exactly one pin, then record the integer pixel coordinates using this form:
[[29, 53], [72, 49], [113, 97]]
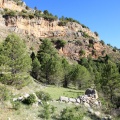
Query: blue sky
[[102, 16]]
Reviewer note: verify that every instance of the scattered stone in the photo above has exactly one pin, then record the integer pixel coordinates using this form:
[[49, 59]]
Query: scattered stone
[[73, 100], [86, 105], [65, 99]]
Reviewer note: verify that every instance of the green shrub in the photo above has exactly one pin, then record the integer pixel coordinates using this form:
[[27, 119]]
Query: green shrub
[[30, 100], [6, 10], [49, 17], [62, 23], [72, 114], [31, 16], [84, 26], [96, 33], [82, 52], [90, 45], [48, 111], [24, 11], [16, 105], [60, 43], [11, 13], [25, 15], [62, 19], [93, 52], [114, 50], [84, 34], [102, 42], [43, 96], [27, 8], [4, 93]]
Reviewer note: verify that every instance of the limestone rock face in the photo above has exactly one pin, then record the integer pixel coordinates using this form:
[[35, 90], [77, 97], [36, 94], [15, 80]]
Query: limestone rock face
[[39, 27], [43, 28], [10, 5]]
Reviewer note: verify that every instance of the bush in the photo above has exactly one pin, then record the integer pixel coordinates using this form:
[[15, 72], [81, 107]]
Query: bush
[[84, 34], [62, 23], [96, 33], [93, 52], [27, 8], [114, 50], [24, 11], [48, 111], [16, 105], [84, 26], [11, 13], [82, 52], [4, 93], [30, 100], [90, 45], [60, 43], [31, 16], [43, 96], [102, 42], [71, 114], [25, 15]]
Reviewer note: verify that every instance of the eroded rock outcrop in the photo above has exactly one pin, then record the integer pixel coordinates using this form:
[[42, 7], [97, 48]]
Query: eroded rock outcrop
[[39, 27], [44, 28]]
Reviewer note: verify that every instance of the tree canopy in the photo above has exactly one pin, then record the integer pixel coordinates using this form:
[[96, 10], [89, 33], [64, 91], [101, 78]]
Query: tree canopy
[[14, 59]]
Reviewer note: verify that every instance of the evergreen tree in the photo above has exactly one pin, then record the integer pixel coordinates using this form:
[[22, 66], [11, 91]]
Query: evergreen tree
[[14, 59], [80, 76], [50, 62], [110, 81], [36, 68], [66, 70]]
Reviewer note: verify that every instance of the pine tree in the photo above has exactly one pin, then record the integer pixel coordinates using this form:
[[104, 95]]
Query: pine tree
[[80, 76], [110, 81], [14, 59], [50, 62]]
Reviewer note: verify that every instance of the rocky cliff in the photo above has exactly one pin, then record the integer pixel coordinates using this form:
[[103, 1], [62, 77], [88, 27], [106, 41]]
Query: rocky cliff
[[78, 37], [39, 27]]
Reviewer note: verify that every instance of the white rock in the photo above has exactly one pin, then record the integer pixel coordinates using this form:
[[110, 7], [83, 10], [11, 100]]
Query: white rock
[[78, 100], [86, 105], [26, 95], [14, 99], [97, 113], [73, 100], [20, 98]]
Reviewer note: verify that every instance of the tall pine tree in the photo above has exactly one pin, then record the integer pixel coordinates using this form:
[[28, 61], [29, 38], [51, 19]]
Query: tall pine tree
[[14, 59]]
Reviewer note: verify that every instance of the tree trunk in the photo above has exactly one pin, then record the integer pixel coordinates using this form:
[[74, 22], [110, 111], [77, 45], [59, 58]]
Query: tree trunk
[[65, 84]]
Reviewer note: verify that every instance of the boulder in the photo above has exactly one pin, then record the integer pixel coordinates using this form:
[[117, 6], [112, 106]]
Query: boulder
[[63, 98], [86, 105], [14, 99], [78, 100], [73, 100], [91, 92], [26, 95]]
